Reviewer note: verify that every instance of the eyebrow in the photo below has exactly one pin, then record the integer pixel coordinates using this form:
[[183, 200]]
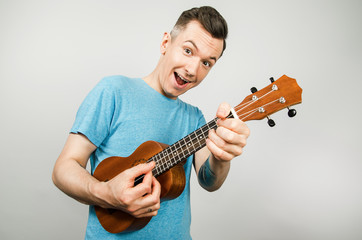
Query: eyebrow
[[195, 46]]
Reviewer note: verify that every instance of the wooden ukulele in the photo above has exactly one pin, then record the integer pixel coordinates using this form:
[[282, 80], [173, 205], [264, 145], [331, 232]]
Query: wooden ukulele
[[168, 170]]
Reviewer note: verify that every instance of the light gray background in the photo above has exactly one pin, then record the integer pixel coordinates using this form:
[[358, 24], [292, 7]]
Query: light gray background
[[298, 180]]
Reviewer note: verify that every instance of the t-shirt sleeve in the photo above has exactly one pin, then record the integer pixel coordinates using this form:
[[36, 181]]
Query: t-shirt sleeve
[[201, 121], [95, 114]]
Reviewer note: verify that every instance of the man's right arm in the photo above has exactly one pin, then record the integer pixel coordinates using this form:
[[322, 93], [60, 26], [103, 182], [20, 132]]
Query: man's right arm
[[70, 176]]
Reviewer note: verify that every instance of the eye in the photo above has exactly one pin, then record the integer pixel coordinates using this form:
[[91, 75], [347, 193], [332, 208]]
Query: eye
[[188, 51], [206, 63]]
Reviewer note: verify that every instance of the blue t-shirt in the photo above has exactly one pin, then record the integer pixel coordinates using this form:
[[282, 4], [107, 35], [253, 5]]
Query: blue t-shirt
[[117, 116]]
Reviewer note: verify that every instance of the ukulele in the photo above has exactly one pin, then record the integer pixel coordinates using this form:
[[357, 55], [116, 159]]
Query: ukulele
[[169, 160]]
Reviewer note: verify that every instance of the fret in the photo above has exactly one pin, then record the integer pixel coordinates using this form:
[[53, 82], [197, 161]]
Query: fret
[[179, 149], [186, 147], [213, 122], [161, 162], [183, 148], [193, 137], [169, 158], [190, 144], [174, 159], [197, 134], [163, 166], [158, 161], [161, 156], [168, 164], [172, 151], [200, 136], [164, 156], [165, 160], [155, 171]]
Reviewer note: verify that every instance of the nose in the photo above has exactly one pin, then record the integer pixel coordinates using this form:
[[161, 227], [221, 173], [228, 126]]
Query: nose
[[192, 67]]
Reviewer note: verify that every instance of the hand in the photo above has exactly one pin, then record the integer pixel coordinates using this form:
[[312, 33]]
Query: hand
[[230, 137], [142, 200]]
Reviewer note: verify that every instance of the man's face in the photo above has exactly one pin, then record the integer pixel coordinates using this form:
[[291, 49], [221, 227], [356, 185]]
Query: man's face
[[187, 59]]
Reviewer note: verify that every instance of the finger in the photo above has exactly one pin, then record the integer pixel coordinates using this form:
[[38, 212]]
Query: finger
[[151, 204], [217, 140], [234, 125], [145, 187], [228, 136], [156, 188], [223, 110], [144, 210], [234, 149], [218, 152], [147, 212], [148, 204], [150, 198], [140, 169]]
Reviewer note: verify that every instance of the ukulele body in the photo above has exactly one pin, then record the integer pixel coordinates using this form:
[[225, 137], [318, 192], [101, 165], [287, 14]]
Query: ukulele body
[[172, 185]]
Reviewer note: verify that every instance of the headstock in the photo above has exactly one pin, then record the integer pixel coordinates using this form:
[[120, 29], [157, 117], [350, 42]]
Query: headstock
[[278, 95]]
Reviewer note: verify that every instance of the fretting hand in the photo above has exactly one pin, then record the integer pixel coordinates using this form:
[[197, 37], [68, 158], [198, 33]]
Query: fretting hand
[[230, 137]]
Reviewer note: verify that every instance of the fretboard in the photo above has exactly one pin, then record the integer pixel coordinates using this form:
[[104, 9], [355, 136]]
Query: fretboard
[[182, 149]]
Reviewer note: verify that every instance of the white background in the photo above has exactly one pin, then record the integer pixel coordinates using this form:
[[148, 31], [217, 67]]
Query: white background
[[299, 180]]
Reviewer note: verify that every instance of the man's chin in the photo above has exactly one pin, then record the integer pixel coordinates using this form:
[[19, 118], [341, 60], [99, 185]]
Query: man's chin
[[171, 95]]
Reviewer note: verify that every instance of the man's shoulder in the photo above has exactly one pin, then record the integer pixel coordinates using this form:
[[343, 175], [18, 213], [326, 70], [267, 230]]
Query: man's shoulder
[[191, 108], [117, 81]]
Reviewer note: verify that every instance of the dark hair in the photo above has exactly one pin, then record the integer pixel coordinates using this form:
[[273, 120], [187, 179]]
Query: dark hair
[[208, 17]]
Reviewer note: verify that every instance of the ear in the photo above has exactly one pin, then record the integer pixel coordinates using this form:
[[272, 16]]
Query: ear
[[166, 40]]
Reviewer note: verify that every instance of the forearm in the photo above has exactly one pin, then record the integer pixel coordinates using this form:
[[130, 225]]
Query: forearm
[[75, 181], [72, 178], [213, 173]]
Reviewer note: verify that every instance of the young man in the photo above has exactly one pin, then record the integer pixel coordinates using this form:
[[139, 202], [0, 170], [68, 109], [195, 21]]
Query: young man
[[121, 113]]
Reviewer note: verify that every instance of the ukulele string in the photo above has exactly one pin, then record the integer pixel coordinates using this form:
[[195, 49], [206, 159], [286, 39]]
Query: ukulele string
[[166, 160], [164, 164], [250, 102], [257, 109], [195, 140], [241, 104]]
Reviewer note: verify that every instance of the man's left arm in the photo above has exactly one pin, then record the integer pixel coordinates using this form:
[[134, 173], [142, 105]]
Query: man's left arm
[[212, 163]]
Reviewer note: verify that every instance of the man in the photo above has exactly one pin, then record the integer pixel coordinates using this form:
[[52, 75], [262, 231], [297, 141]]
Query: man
[[120, 113]]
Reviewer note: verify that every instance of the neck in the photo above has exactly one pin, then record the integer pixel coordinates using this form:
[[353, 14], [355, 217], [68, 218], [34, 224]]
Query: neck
[[152, 81]]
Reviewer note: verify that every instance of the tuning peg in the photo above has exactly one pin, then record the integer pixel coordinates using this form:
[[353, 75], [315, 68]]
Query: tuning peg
[[292, 112], [253, 90], [271, 122], [271, 79]]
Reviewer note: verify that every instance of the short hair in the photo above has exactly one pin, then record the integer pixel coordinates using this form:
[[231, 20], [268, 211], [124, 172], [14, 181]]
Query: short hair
[[208, 17]]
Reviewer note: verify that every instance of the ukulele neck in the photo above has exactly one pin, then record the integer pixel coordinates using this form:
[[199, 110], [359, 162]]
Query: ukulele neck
[[182, 149]]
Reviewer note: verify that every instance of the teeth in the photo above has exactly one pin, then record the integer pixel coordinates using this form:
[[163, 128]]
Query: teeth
[[182, 78]]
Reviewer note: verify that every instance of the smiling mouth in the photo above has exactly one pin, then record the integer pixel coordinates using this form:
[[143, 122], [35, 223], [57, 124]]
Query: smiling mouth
[[180, 80]]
